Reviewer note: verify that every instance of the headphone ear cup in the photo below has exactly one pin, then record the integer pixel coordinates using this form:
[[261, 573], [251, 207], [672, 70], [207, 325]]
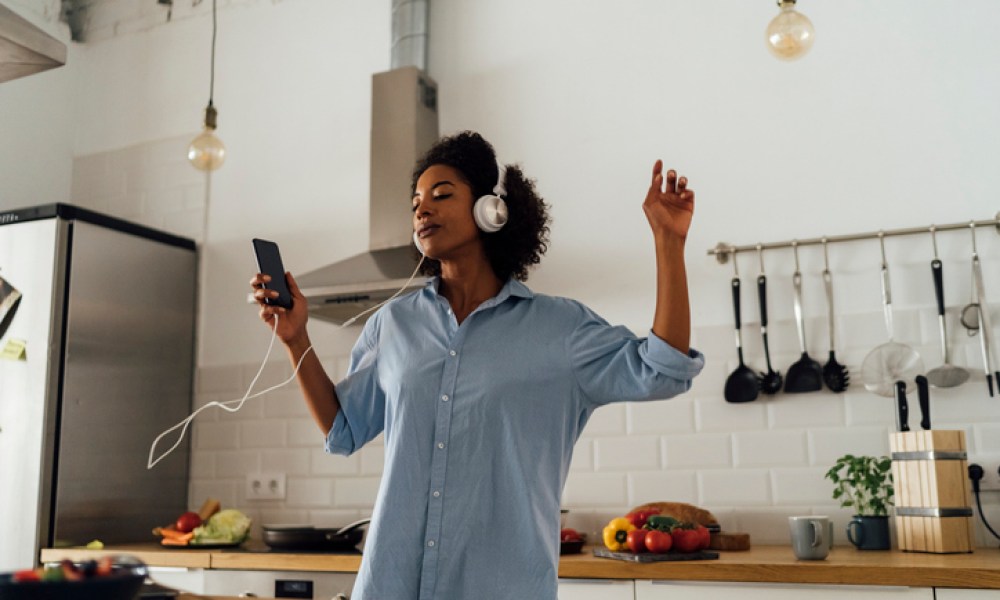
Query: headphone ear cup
[[416, 242], [490, 213]]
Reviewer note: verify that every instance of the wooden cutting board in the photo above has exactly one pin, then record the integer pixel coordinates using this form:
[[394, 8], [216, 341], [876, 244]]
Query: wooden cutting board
[[729, 541]]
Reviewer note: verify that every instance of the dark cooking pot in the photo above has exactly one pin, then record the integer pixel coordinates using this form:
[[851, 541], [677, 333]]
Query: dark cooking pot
[[308, 538]]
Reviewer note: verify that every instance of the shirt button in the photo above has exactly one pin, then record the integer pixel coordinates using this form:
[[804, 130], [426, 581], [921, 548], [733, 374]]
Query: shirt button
[[437, 494], [453, 353], [445, 397], [430, 543], [441, 445]]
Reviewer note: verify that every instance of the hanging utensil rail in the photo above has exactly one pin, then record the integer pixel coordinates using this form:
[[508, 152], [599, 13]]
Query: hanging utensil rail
[[722, 250]]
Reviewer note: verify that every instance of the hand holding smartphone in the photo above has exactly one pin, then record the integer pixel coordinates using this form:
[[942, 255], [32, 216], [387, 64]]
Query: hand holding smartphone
[[269, 263]]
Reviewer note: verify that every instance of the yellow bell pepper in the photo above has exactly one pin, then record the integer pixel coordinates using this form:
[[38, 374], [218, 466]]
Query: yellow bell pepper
[[616, 534]]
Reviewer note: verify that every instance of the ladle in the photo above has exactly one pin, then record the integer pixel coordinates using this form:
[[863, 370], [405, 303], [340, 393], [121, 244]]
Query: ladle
[[892, 361], [770, 382], [947, 375], [742, 384], [835, 375], [805, 375]]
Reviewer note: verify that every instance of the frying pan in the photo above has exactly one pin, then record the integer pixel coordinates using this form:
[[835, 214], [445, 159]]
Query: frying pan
[[308, 538]]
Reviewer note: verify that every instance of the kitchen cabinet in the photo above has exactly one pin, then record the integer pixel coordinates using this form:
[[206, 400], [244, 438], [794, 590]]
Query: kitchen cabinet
[[596, 589], [663, 590], [959, 594]]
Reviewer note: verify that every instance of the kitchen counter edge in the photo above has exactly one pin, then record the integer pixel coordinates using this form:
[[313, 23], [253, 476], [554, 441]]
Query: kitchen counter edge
[[762, 564]]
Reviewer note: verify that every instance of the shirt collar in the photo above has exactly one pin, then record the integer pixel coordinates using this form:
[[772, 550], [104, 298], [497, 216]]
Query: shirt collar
[[513, 287]]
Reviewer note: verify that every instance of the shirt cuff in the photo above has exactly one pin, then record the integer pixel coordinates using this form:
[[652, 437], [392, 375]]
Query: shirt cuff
[[338, 435], [671, 361]]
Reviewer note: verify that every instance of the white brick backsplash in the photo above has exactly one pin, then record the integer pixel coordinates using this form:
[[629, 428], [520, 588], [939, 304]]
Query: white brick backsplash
[[626, 453], [769, 525], [595, 489], [372, 459], [202, 464], [215, 436], [743, 487], [866, 408], [226, 491], [355, 492], [250, 411], [827, 445], [306, 492], [802, 410], [237, 463], [583, 456], [336, 518], [272, 373], [802, 486], [263, 434], [715, 414], [323, 463], [665, 416], [986, 437], [660, 486], [606, 420], [304, 432], [701, 450], [288, 461], [221, 380], [285, 402], [768, 448], [714, 340], [284, 516]]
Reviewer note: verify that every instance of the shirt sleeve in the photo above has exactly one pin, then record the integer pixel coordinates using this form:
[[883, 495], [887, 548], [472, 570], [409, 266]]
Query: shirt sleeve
[[362, 402], [611, 364]]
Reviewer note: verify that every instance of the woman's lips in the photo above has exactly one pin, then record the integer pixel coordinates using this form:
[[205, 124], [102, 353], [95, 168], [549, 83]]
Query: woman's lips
[[427, 230]]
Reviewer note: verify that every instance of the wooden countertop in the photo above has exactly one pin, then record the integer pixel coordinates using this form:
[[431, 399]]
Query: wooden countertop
[[765, 564]]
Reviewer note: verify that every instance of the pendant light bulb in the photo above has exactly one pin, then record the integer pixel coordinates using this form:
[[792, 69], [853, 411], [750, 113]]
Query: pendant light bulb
[[790, 34], [207, 152]]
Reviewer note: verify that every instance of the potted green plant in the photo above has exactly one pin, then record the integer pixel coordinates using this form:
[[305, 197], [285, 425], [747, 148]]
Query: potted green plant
[[864, 483]]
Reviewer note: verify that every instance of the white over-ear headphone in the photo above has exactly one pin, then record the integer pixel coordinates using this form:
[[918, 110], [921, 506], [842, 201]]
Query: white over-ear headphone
[[489, 211]]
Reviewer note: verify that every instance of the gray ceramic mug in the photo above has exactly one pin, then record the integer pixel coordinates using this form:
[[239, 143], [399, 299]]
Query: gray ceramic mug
[[812, 537]]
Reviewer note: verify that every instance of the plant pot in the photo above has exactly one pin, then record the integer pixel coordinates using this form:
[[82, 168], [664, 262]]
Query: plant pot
[[869, 533]]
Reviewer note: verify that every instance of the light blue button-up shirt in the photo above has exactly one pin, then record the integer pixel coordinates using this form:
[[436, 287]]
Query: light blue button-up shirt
[[480, 420]]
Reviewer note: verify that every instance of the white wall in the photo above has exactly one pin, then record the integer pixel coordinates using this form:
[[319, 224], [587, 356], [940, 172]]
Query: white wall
[[890, 122]]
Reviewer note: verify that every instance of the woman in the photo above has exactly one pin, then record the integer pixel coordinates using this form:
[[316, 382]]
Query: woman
[[482, 387]]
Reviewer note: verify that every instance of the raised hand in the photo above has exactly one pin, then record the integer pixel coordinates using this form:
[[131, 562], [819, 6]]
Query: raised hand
[[669, 207], [291, 322]]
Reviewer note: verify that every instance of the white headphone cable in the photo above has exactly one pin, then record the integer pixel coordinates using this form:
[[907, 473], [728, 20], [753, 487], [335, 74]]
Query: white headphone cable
[[183, 424]]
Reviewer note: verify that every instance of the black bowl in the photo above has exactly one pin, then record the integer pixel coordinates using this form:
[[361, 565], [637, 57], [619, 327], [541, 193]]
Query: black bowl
[[123, 583]]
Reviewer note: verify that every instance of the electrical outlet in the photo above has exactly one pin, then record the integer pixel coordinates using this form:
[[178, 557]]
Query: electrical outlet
[[265, 486], [991, 472]]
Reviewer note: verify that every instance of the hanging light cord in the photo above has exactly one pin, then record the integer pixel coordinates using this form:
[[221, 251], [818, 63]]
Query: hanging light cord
[[211, 80]]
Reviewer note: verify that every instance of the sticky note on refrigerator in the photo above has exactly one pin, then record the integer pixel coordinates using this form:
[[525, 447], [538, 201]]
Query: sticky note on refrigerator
[[14, 350]]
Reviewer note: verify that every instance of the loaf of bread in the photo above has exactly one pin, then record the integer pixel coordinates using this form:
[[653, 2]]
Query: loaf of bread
[[681, 511]]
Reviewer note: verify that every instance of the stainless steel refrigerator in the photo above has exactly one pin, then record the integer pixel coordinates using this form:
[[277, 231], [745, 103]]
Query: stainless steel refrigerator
[[97, 320]]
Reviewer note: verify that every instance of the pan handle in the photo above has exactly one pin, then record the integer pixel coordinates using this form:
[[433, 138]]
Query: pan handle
[[352, 526]]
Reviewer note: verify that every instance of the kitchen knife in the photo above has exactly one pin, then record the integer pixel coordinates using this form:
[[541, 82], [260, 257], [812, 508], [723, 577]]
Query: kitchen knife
[[902, 408], [925, 402], [985, 326]]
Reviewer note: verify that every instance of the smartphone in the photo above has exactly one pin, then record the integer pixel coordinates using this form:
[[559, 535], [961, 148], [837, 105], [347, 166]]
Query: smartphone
[[269, 263]]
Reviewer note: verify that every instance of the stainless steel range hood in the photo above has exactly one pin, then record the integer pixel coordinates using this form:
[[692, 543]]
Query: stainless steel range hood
[[26, 49], [404, 126]]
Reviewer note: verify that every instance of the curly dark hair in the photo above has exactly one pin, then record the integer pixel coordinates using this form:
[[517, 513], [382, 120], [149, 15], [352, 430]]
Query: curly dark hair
[[525, 237]]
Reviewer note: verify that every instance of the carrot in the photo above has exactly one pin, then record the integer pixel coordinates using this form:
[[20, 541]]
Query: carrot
[[173, 542], [173, 534]]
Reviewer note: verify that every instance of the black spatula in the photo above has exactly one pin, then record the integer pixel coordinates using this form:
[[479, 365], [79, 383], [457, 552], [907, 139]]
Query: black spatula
[[806, 375]]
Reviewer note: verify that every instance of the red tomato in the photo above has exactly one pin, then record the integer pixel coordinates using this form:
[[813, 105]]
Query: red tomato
[[569, 535], [638, 518], [658, 542], [25, 575], [636, 541], [187, 522], [686, 540], [706, 537]]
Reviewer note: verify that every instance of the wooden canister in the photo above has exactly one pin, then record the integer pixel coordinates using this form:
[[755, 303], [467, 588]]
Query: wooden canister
[[933, 510]]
